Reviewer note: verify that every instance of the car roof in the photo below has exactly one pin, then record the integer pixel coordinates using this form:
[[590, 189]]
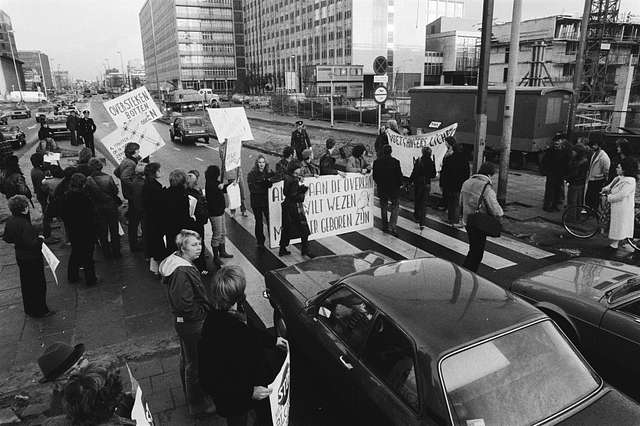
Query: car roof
[[442, 305], [583, 277]]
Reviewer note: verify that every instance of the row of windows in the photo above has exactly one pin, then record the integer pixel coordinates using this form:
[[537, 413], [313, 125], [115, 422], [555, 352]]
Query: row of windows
[[204, 12], [204, 25], [274, 8], [199, 36], [199, 60], [207, 72], [203, 2], [225, 49], [309, 23]]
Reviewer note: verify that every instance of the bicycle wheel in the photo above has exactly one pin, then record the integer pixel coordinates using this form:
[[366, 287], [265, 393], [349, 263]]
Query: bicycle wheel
[[581, 221]]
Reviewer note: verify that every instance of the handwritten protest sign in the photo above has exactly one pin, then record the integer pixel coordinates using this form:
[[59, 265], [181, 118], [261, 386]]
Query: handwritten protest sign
[[280, 397], [140, 412], [51, 259], [135, 105], [145, 135], [333, 205], [229, 123], [233, 154], [233, 196], [406, 148]]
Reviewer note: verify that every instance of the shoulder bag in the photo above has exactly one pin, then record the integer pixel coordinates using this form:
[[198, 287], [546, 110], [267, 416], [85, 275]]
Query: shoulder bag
[[484, 222]]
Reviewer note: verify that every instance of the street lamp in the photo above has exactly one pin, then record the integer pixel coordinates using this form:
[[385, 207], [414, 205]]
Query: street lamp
[[15, 66]]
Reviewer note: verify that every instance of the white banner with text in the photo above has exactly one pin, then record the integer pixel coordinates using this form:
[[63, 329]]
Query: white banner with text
[[333, 205], [408, 148], [135, 105]]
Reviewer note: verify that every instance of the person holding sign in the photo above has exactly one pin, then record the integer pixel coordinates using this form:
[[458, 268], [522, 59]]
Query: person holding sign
[[214, 192], [241, 357], [294, 220], [260, 179], [28, 245]]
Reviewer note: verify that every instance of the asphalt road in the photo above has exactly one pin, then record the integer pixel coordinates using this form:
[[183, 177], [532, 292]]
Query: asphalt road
[[505, 259]]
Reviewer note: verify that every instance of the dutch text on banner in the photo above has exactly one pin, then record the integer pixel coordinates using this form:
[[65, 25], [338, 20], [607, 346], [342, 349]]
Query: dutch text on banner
[[233, 154], [51, 259], [280, 397], [229, 123], [333, 205], [408, 148], [135, 105], [144, 135]]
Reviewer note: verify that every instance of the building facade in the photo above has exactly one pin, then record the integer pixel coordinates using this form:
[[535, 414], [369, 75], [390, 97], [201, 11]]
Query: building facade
[[136, 73], [37, 70], [284, 36], [193, 44], [61, 80], [452, 52]]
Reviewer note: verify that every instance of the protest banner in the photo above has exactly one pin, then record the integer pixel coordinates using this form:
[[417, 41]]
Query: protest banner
[[135, 105], [233, 154], [51, 259], [230, 122], [140, 412], [333, 205], [280, 397], [408, 148], [233, 196], [144, 135]]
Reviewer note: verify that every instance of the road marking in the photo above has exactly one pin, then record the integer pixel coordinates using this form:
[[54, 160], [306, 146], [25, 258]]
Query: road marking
[[489, 259], [177, 149], [32, 127], [338, 245], [209, 147], [397, 245], [198, 158], [106, 123], [504, 241]]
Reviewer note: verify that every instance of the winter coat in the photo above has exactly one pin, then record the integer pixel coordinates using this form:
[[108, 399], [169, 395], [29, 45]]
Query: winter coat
[[455, 170], [103, 192], [388, 176], [44, 133], [555, 162], [125, 171], [176, 212], [470, 192], [381, 140], [201, 212], [235, 361], [328, 164], [136, 186], [186, 292], [622, 199], [78, 213], [300, 141], [37, 176], [259, 184], [86, 126], [356, 165], [18, 230], [423, 171], [153, 205], [577, 172], [308, 169], [15, 184], [598, 166], [72, 123], [216, 202], [294, 220]]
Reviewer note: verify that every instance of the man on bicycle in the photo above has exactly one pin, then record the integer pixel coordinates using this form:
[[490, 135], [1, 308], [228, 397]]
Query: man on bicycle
[[597, 175]]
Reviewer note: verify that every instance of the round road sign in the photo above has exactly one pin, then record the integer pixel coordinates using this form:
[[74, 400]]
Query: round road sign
[[380, 65], [380, 95]]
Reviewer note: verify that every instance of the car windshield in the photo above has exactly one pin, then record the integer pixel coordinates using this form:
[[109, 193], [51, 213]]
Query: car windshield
[[193, 122], [519, 378]]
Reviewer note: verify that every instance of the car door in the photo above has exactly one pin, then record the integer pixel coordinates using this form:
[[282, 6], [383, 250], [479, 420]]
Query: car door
[[339, 326], [386, 376], [621, 331]]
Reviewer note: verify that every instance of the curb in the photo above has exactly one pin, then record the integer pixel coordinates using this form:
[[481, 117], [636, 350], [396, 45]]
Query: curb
[[314, 126]]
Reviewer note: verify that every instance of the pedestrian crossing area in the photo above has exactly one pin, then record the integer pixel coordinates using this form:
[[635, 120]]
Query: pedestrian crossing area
[[504, 256]]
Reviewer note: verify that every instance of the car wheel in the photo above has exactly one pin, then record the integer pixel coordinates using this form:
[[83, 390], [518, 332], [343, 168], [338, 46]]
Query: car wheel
[[279, 324]]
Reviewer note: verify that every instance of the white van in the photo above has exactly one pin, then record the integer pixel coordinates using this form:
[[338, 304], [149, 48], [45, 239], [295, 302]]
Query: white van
[[27, 96]]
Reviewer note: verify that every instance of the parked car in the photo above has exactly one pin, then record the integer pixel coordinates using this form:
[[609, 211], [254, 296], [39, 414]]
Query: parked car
[[259, 102], [596, 303], [58, 124], [188, 129], [20, 111], [238, 98], [14, 135], [43, 111], [424, 341]]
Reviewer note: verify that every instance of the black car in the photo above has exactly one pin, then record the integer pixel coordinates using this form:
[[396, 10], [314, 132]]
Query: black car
[[188, 129], [14, 135], [424, 341], [20, 111]]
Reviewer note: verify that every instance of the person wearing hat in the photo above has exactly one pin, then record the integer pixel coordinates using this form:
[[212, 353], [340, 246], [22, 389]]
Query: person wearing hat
[[307, 167], [554, 166], [300, 139], [28, 245], [72, 125], [60, 360], [86, 129]]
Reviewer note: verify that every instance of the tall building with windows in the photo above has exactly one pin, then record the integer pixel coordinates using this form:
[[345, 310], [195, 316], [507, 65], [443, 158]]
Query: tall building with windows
[[11, 74], [37, 70], [193, 44], [284, 36]]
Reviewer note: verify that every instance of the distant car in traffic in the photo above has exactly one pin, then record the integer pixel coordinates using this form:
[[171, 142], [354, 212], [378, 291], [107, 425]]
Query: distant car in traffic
[[596, 303], [14, 135], [20, 111], [424, 341], [188, 129], [58, 124], [44, 110]]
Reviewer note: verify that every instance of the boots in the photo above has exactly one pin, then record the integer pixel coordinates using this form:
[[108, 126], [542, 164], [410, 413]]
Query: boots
[[216, 257], [223, 253]]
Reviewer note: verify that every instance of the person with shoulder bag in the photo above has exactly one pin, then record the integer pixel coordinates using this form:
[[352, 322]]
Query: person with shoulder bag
[[481, 213]]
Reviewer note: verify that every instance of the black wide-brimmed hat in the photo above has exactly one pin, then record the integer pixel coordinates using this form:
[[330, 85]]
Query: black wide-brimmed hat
[[57, 359]]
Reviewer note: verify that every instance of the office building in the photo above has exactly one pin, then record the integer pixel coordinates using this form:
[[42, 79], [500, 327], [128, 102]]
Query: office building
[[37, 70], [11, 75], [136, 73], [193, 44], [452, 51], [285, 36], [61, 80]]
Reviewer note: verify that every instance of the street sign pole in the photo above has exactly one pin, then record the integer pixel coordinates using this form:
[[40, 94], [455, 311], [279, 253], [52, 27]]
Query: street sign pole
[[331, 100], [379, 115]]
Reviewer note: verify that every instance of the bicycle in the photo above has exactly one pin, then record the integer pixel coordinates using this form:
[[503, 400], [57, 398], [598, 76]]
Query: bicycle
[[585, 222]]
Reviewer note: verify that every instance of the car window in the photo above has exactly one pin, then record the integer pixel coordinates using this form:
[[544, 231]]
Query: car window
[[389, 354], [632, 308], [348, 315]]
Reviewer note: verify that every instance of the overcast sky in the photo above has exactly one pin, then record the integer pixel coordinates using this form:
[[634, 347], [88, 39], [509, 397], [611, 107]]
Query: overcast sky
[[78, 35]]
